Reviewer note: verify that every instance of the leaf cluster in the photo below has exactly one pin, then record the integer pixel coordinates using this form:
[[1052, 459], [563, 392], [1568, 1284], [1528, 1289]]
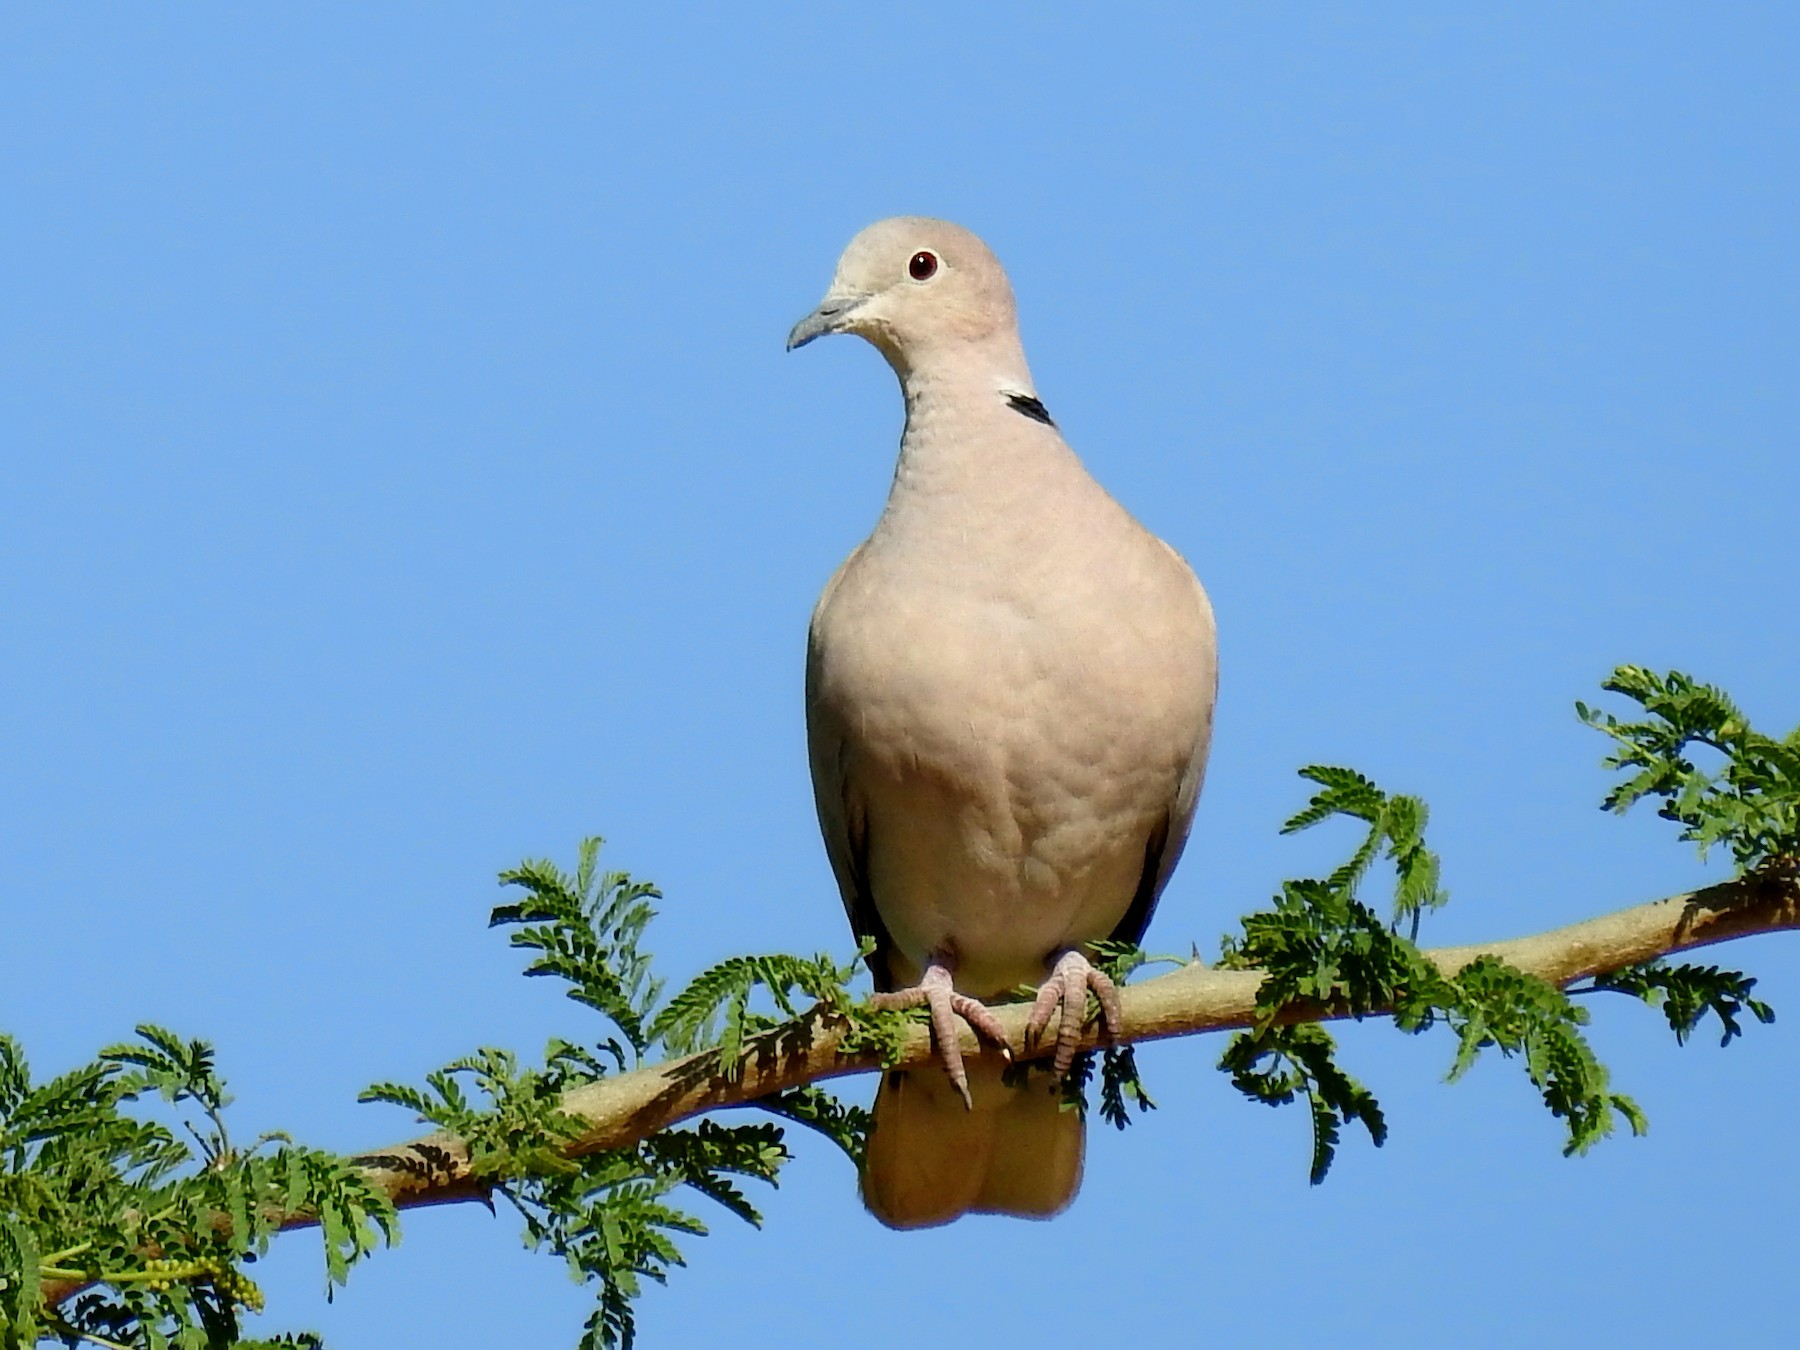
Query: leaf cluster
[[1687, 993], [1749, 801], [587, 928], [611, 1214], [1122, 1087], [1396, 828], [615, 1215], [1278, 1064], [715, 1011], [97, 1191], [1326, 952]]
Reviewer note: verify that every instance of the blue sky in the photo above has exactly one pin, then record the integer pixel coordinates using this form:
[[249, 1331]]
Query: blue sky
[[401, 474]]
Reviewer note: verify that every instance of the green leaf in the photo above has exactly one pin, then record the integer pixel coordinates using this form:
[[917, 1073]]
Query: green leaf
[[1749, 803], [1276, 1065], [1687, 993]]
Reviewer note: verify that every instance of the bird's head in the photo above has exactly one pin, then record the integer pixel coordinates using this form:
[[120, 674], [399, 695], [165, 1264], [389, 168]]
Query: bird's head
[[911, 286]]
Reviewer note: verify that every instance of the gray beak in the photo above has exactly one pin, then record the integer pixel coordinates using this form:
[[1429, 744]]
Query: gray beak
[[829, 317]]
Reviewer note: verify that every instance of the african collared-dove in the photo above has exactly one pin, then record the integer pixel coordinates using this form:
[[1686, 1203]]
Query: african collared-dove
[[1009, 695]]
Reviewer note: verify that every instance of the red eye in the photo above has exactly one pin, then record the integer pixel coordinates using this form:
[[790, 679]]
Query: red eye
[[923, 266]]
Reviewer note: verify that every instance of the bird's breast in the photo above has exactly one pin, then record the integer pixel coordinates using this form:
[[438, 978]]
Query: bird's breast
[[1014, 744]]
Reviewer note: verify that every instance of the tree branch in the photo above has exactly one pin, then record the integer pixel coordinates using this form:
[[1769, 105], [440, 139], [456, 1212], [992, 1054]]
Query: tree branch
[[622, 1110]]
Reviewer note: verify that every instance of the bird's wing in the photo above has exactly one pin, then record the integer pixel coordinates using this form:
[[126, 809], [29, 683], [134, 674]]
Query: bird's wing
[[842, 818], [1168, 836]]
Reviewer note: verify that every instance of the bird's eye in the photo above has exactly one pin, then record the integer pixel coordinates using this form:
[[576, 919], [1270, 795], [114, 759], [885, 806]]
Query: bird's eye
[[923, 266]]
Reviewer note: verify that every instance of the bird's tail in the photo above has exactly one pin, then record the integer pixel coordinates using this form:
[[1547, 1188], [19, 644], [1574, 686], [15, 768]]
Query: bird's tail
[[931, 1159]]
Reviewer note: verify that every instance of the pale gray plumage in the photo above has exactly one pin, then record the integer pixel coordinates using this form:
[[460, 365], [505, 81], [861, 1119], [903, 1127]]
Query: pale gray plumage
[[1009, 695]]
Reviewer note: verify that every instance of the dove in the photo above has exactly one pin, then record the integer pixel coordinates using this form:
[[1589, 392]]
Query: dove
[[1009, 699]]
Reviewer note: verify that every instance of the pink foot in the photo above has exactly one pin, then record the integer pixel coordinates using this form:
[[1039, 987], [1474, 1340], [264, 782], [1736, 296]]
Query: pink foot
[[936, 993], [1071, 978]]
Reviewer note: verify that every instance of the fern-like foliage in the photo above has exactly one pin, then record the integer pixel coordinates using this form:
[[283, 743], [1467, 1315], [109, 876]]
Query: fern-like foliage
[[98, 1193], [617, 1216], [1122, 1088], [714, 1010], [744, 996], [1396, 825], [844, 1124], [1494, 1004], [586, 927], [1325, 951], [1687, 993], [1749, 802], [611, 1214], [1278, 1064]]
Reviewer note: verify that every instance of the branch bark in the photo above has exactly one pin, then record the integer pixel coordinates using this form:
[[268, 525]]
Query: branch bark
[[622, 1110]]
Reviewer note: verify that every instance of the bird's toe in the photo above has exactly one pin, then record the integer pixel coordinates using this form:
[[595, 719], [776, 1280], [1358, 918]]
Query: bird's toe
[[1071, 979], [946, 1007]]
